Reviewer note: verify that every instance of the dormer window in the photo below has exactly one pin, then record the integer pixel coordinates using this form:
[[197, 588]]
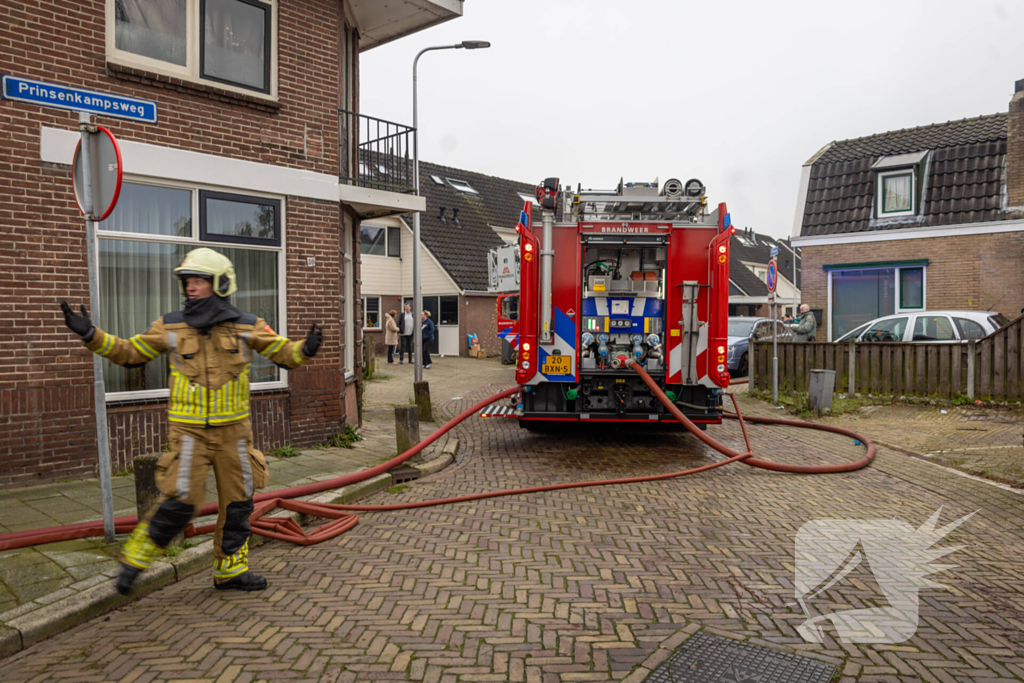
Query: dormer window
[[896, 193], [896, 184]]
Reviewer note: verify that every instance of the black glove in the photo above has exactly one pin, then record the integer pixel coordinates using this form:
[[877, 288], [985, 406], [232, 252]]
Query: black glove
[[79, 324], [313, 340]]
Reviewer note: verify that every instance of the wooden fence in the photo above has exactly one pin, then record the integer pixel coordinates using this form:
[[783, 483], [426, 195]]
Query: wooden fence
[[991, 368]]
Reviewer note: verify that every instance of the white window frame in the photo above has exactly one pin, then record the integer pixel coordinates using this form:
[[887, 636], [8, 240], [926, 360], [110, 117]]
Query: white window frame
[[191, 72], [387, 244], [898, 310], [282, 264], [880, 192], [380, 315]]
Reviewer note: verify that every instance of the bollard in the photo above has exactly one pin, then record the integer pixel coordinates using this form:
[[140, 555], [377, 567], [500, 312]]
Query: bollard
[[146, 492], [422, 393], [407, 427], [819, 394]]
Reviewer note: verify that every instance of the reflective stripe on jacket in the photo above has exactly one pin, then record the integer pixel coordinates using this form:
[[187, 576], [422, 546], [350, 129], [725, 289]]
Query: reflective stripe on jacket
[[209, 374]]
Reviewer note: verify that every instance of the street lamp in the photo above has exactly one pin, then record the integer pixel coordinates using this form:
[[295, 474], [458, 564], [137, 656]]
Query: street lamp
[[417, 294]]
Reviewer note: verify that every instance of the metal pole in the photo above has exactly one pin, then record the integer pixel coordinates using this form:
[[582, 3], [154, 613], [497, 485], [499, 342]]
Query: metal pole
[[99, 395], [417, 294], [793, 250], [547, 255], [775, 356]]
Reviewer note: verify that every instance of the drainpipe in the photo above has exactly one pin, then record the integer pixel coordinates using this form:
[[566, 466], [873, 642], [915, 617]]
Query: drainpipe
[[547, 255]]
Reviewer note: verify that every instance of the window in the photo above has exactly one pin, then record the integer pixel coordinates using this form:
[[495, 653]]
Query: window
[[510, 307], [890, 330], [969, 329], [378, 240], [449, 310], [144, 239], [896, 193], [371, 312], [912, 288], [437, 180], [236, 43], [237, 218], [231, 42], [151, 28], [933, 328], [860, 295], [854, 334], [461, 186], [395, 242]]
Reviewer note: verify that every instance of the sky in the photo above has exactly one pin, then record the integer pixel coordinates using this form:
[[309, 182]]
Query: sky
[[738, 94]]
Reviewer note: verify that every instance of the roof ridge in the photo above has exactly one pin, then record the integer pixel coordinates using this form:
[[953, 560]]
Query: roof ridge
[[925, 127]]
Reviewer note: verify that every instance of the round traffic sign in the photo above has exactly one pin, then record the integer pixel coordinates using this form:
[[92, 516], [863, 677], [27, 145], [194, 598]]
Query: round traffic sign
[[773, 275], [106, 176]]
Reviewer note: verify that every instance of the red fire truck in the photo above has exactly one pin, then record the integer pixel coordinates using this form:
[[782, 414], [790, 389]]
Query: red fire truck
[[633, 273]]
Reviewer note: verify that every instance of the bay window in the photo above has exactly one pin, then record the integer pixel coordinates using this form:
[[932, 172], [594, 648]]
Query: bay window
[[147, 236], [230, 42]]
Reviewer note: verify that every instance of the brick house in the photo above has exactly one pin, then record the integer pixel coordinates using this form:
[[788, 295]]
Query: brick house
[[748, 274], [467, 214], [922, 218], [255, 152]]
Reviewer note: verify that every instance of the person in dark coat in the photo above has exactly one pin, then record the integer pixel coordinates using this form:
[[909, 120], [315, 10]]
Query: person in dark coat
[[427, 328]]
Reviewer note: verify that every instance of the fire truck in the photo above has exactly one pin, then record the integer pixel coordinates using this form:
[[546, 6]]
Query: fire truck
[[638, 272]]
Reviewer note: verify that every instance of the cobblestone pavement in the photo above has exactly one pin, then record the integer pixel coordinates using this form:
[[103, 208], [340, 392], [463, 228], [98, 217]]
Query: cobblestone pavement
[[576, 585]]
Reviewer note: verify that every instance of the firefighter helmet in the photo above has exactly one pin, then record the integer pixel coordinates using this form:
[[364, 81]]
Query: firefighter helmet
[[209, 264]]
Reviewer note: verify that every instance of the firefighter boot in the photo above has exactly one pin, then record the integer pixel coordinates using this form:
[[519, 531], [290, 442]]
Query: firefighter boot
[[137, 555], [232, 572]]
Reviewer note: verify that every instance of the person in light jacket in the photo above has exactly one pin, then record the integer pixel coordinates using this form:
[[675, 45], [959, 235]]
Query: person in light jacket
[[406, 328], [391, 335], [805, 326], [428, 336]]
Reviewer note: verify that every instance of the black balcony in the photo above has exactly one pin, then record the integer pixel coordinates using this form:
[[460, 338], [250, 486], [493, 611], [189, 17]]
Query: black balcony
[[375, 153]]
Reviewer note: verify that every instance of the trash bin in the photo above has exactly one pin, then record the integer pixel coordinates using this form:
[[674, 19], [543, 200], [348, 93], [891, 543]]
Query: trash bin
[[823, 383]]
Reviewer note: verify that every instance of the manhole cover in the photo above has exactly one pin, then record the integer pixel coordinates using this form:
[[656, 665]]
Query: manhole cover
[[710, 659]]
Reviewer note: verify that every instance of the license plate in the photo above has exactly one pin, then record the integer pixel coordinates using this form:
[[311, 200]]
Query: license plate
[[557, 365]]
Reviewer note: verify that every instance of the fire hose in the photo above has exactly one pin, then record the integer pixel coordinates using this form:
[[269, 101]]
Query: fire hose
[[285, 528]]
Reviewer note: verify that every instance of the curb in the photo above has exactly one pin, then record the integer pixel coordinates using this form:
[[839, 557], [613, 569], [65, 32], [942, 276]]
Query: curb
[[23, 632]]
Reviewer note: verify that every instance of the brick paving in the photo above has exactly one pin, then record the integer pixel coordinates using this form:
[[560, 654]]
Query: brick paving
[[578, 585]]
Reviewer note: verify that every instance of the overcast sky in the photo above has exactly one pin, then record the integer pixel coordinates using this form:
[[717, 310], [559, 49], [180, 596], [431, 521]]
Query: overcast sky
[[737, 94]]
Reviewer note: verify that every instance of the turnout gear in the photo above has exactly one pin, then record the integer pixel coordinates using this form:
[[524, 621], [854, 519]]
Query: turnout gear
[[209, 373], [214, 266], [79, 324], [210, 346], [313, 341]]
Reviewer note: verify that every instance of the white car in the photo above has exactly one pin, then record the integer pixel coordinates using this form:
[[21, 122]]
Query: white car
[[928, 326]]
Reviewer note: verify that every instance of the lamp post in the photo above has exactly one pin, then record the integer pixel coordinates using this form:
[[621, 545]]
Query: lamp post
[[417, 294]]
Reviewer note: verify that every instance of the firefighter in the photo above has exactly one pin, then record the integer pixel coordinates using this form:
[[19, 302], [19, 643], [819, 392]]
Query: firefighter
[[210, 345]]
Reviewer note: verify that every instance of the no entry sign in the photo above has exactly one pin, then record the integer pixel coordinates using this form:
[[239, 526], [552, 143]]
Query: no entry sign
[[106, 172]]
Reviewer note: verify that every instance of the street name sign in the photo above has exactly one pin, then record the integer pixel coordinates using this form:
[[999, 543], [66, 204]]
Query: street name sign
[[77, 99]]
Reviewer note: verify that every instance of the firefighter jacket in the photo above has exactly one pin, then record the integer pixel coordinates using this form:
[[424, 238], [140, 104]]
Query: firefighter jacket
[[209, 374]]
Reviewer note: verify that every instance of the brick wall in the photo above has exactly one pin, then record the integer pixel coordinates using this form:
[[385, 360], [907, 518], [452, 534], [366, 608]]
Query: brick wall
[[46, 420], [972, 272], [1015, 149]]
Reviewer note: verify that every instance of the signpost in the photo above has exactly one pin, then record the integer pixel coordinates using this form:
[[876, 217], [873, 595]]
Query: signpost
[[773, 280], [97, 173]]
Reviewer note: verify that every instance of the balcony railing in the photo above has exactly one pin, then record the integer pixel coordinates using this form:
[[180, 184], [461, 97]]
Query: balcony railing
[[375, 153]]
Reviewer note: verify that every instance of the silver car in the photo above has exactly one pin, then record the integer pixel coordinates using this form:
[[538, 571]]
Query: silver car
[[928, 326]]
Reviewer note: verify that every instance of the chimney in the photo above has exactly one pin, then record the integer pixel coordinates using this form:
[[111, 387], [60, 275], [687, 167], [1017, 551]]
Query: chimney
[[441, 215], [1015, 148], [455, 217]]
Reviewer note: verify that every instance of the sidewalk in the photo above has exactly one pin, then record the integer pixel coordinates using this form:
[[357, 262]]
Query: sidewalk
[[72, 571]]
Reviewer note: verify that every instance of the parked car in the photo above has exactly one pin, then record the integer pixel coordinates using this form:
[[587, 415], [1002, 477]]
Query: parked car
[[928, 326], [740, 331]]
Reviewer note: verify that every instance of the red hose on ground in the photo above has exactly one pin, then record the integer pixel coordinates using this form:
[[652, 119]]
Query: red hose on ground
[[283, 529]]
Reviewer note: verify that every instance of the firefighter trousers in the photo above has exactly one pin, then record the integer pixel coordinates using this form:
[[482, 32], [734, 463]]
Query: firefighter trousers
[[181, 474]]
